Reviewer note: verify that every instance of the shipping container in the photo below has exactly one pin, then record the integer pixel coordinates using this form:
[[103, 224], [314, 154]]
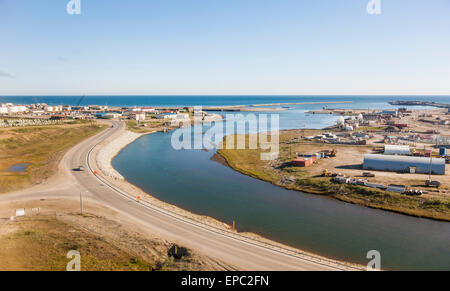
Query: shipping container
[[396, 189], [302, 162], [374, 185]]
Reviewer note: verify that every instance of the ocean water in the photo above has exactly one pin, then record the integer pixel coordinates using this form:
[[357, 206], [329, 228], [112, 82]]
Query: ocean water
[[216, 100]]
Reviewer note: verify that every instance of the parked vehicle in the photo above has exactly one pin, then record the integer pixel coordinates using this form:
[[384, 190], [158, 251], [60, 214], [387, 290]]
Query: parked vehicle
[[368, 174], [431, 183]]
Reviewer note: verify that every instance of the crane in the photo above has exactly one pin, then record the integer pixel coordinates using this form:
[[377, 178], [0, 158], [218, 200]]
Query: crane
[[79, 101]]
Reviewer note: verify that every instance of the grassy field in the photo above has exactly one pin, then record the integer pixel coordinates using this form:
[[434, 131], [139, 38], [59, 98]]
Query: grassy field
[[282, 173], [39, 146], [152, 125], [41, 243]]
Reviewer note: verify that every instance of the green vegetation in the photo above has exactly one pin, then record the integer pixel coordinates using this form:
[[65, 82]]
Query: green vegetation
[[41, 147], [282, 173]]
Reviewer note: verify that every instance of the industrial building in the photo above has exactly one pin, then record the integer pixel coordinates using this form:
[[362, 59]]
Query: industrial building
[[397, 150], [406, 164]]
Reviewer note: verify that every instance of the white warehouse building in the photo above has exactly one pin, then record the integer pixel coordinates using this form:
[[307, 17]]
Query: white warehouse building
[[405, 164]]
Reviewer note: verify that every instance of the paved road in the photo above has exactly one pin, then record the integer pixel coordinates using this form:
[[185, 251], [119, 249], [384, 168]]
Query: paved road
[[232, 249]]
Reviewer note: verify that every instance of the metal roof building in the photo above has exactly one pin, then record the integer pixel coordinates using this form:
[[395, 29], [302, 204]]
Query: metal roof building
[[394, 163], [397, 150]]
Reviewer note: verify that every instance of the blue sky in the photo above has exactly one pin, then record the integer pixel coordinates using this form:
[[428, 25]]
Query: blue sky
[[224, 47]]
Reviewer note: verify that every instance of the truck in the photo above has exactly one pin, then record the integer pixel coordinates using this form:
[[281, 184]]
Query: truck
[[432, 183], [368, 174]]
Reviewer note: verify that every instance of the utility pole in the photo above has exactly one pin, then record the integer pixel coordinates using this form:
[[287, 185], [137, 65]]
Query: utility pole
[[431, 166], [81, 204]]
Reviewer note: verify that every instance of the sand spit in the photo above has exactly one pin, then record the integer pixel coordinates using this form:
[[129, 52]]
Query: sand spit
[[263, 107], [302, 103]]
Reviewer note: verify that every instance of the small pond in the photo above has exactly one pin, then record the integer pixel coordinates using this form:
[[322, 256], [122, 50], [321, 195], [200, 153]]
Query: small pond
[[19, 168]]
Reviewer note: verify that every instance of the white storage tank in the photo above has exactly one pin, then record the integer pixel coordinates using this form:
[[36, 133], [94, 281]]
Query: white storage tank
[[397, 150]]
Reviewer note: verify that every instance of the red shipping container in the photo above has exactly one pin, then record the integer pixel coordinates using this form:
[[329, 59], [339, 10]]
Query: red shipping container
[[301, 162]]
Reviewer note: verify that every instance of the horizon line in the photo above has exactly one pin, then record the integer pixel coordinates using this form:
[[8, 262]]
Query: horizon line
[[224, 95]]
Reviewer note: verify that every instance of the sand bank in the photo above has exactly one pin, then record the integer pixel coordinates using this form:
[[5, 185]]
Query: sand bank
[[107, 153]]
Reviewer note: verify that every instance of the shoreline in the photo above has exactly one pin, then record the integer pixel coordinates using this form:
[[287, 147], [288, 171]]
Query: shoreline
[[207, 221], [315, 189], [303, 103], [111, 149], [324, 195]]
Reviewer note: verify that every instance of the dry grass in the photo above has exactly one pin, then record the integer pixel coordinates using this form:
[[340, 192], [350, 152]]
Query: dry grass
[[105, 239], [41, 243], [42, 147]]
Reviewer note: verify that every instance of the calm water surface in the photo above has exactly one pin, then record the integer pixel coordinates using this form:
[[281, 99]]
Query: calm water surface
[[189, 179], [19, 168]]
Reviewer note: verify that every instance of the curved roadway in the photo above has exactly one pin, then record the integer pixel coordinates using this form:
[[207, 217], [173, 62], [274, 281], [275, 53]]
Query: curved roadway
[[233, 249]]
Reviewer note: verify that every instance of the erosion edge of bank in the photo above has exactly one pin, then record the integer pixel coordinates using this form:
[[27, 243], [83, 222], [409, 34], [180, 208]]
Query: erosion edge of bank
[[327, 192]]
